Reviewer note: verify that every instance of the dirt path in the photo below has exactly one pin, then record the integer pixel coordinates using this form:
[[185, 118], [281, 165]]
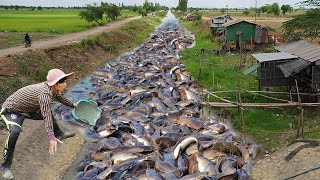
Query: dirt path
[[65, 39]]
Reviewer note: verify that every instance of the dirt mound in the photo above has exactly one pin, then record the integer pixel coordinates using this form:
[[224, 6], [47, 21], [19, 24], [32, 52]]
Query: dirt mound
[[290, 161]]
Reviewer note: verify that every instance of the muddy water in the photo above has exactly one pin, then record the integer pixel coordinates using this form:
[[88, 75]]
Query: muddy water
[[152, 125]]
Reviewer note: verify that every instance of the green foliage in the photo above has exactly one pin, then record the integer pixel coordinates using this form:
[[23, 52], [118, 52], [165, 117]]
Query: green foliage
[[222, 10], [264, 9], [275, 9], [286, 8], [183, 5], [198, 16], [246, 12], [271, 9], [142, 12], [303, 26], [135, 8], [148, 7], [39, 8], [92, 13], [112, 11], [33, 66], [9, 84]]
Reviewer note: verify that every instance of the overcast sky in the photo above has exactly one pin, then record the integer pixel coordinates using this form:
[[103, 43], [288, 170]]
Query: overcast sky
[[169, 3]]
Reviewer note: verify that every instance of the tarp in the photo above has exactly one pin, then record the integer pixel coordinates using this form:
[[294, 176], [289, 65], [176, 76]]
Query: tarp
[[251, 69]]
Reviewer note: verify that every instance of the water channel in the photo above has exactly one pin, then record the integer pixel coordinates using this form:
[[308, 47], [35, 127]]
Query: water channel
[[152, 125]]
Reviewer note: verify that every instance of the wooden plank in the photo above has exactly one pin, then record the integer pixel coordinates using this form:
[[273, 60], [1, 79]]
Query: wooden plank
[[258, 105]]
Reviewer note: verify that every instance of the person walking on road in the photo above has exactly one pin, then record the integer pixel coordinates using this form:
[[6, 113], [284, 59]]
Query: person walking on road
[[33, 102], [27, 40]]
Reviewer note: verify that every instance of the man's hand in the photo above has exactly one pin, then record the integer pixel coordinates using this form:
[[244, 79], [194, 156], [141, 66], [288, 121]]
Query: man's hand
[[74, 105], [53, 146]]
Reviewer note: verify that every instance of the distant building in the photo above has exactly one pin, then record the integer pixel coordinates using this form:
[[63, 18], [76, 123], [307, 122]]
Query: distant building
[[217, 23], [244, 31], [190, 17]]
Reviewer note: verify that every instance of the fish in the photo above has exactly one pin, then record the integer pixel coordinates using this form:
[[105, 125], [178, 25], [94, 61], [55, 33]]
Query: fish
[[165, 142], [153, 175], [183, 144], [205, 165], [163, 166], [191, 122], [120, 157], [109, 143], [195, 176], [212, 154], [253, 150]]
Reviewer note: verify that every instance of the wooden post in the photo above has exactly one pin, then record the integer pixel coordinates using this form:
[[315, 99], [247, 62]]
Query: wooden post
[[302, 122], [242, 127], [240, 44], [200, 67], [251, 44], [299, 107], [212, 77]]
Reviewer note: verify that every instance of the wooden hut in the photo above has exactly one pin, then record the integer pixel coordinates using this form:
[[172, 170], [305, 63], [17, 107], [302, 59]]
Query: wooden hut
[[217, 23], [269, 74], [296, 60], [307, 70], [248, 33], [237, 31]]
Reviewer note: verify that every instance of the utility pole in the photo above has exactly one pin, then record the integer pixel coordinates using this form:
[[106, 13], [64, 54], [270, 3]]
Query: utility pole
[[255, 9]]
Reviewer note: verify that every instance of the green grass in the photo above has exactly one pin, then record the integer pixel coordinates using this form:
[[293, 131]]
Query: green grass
[[48, 20], [42, 24], [52, 20], [124, 37], [271, 127]]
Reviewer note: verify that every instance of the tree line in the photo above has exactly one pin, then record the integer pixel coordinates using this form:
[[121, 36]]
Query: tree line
[[16, 7], [305, 25], [112, 11]]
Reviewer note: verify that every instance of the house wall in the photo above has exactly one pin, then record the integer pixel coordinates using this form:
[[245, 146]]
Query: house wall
[[270, 75], [248, 31]]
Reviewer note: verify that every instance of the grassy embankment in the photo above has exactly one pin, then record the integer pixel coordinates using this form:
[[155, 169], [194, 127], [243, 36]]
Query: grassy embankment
[[42, 24], [271, 127], [82, 58]]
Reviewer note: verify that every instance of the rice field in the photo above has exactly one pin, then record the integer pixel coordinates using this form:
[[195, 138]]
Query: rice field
[[58, 21]]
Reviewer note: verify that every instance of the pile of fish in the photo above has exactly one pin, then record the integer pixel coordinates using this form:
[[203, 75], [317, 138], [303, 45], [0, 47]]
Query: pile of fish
[[152, 125]]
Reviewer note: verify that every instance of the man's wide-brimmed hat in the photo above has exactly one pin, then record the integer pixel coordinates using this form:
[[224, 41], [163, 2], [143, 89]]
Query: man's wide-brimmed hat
[[54, 75]]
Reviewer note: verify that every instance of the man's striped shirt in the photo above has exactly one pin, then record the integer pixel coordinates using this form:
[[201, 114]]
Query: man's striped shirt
[[33, 98]]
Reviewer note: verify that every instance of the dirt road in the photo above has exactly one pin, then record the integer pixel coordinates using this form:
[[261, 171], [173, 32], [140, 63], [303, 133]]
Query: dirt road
[[65, 39]]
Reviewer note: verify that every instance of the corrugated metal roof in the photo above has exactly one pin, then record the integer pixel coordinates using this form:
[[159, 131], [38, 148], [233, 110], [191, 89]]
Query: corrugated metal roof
[[293, 67], [232, 22], [251, 69], [302, 49], [264, 57]]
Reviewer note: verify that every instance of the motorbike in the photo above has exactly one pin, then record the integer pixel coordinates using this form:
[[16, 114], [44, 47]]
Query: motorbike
[[27, 44]]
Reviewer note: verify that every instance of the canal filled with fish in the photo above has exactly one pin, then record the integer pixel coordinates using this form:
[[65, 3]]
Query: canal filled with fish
[[152, 125]]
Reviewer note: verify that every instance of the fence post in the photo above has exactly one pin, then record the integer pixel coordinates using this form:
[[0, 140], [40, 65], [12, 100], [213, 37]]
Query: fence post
[[200, 68], [212, 77]]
